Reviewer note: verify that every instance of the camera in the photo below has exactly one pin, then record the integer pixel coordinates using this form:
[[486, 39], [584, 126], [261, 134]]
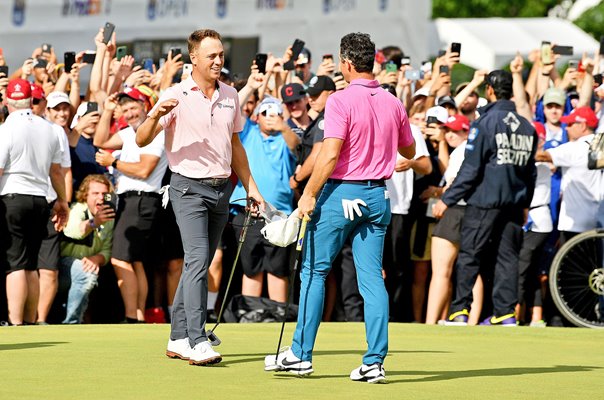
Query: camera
[[414, 75]]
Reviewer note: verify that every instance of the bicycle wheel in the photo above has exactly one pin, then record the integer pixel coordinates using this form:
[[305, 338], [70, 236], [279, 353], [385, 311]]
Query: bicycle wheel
[[577, 279]]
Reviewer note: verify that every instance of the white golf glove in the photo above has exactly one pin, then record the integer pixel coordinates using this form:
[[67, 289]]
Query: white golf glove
[[351, 207], [165, 198]]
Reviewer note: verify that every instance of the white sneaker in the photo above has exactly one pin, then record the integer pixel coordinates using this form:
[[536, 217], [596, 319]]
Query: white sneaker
[[179, 348], [287, 361], [204, 354], [373, 373]]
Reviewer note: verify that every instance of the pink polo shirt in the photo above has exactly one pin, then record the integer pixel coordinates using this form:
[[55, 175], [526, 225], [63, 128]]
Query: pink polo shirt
[[199, 130], [373, 124]]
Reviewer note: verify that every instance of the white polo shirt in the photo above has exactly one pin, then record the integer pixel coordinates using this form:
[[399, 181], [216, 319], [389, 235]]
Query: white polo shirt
[[582, 188], [132, 153], [65, 159], [400, 184], [28, 146]]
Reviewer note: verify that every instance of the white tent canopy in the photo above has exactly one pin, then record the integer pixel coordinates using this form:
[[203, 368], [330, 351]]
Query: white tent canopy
[[489, 43]]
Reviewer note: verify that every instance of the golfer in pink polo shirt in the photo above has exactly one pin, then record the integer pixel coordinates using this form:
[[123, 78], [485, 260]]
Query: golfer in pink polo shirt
[[365, 126], [201, 119]]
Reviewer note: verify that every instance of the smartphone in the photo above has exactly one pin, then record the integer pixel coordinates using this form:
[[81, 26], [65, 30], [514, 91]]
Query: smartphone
[[426, 66], [414, 75], [391, 67], [110, 200], [175, 51], [148, 64], [573, 64], [456, 48], [260, 60], [187, 69], [442, 53], [601, 45], [562, 50], [88, 58], [69, 60], [296, 50], [598, 79], [546, 52], [91, 106], [406, 61], [327, 57], [4, 70], [121, 52], [431, 120], [444, 69], [46, 48], [162, 61], [107, 32], [338, 75]]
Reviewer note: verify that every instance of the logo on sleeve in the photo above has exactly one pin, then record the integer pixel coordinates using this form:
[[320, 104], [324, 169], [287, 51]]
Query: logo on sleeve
[[473, 134]]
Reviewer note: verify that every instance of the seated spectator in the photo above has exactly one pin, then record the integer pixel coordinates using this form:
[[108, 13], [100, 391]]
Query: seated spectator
[[86, 247]]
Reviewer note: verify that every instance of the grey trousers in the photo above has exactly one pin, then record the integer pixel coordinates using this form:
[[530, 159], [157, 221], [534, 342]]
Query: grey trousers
[[201, 213]]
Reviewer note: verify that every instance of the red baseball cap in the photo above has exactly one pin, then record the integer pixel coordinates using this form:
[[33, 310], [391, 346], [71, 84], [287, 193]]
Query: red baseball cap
[[458, 122], [37, 92], [540, 128], [581, 114], [18, 89], [134, 94]]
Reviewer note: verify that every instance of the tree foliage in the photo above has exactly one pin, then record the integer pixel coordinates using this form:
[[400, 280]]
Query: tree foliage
[[490, 8], [592, 21]]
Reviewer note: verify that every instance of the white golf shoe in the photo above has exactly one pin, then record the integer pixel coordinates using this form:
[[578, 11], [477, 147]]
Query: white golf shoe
[[179, 348], [204, 354], [373, 373], [288, 362]]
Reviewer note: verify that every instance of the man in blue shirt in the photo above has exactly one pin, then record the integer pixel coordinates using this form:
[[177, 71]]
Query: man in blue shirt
[[270, 145]]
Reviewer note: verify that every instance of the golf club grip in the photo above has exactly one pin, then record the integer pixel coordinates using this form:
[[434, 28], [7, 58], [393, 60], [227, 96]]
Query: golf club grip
[[301, 234]]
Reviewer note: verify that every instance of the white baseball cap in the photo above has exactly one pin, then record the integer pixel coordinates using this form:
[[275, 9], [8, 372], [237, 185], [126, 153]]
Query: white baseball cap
[[56, 98]]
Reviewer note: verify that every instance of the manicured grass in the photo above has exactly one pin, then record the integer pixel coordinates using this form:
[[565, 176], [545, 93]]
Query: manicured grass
[[431, 362]]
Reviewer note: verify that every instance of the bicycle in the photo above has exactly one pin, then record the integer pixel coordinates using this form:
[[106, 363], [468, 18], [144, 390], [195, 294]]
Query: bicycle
[[577, 279]]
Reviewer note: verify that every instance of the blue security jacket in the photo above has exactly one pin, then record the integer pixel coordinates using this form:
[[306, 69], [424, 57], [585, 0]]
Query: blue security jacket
[[499, 165]]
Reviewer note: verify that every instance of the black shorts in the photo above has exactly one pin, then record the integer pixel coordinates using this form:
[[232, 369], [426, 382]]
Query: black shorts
[[50, 250], [23, 220], [257, 254], [449, 226], [136, 225]]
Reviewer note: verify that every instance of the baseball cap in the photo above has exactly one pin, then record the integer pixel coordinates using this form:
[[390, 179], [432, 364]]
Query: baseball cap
[[423, 91], [581, 114], [150, 93], [56, 98], [270, 104], [134, 94], [447, 100], [500, 79], [458, 122], [304, 57], [292, 92], [319, 84], [555, 96], [18, 89], [540, 128], [439, 112], [79, 113], [37, 92]]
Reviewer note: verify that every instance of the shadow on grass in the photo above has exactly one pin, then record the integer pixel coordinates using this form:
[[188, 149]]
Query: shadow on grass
[[434, 376], [260, 356], [31, 345]]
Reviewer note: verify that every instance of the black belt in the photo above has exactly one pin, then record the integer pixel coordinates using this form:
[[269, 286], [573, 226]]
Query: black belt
[[139, 193], [214, 182], [368, 182]]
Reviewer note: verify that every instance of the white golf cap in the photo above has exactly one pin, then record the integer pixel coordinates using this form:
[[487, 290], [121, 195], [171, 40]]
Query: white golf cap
[[56, 98]]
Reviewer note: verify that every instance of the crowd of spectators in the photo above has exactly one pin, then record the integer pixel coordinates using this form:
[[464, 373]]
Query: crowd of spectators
[[131, 242]]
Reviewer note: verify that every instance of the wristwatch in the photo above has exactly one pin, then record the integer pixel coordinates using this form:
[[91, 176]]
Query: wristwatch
[[114, 163]]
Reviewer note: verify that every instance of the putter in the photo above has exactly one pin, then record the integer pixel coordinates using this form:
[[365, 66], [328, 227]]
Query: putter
[[269, 363], [212, 338]]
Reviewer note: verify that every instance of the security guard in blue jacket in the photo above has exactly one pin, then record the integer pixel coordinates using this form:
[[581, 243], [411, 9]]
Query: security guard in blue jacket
[[497, 180]]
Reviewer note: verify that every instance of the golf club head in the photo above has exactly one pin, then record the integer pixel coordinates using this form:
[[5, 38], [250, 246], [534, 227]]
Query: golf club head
[[213, 339], [270, 363]]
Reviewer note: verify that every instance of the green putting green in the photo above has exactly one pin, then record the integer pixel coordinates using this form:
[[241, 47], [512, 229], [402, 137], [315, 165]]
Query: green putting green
[[431, 362]]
